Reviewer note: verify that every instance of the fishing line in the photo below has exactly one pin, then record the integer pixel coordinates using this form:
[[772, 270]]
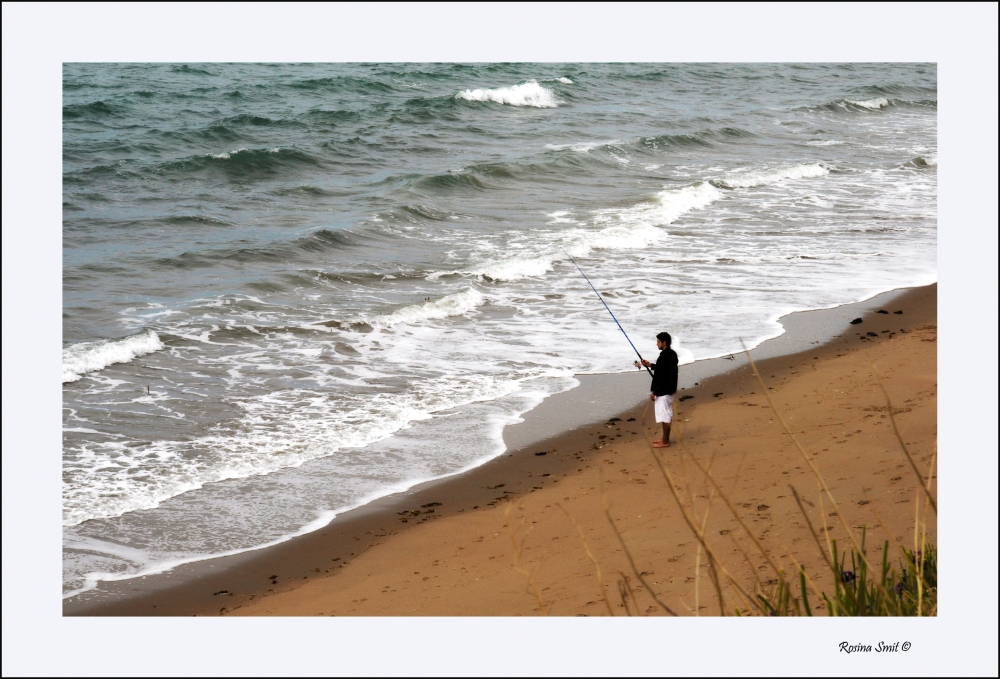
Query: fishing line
[[608, 308]]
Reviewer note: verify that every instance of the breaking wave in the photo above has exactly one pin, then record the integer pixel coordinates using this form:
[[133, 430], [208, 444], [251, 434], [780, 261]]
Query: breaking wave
[[86, 357], [634, 228], [455, 304], [526, 94], [872, 104], [926, 160], [751, 178]]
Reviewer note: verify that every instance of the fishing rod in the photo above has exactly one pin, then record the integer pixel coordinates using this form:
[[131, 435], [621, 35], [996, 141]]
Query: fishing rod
[[609, 310]]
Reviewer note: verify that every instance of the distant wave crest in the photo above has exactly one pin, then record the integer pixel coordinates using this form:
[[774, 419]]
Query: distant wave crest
[[583, 146], [751, 178], [873, 104], [87, 357], [455, 304], [525, 94]]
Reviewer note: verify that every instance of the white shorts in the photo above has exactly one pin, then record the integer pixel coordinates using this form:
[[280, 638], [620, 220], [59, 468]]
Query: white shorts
[[664, 407]]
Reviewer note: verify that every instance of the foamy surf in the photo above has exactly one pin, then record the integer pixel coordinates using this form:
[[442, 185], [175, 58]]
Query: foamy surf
[[525, 94], [634, 228], [582, 147], [258, 419], [455, 304], [86, 357], [751, 178], [871, 104]]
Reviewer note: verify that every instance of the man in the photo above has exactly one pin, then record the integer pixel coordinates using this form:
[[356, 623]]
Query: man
[[664, 386]]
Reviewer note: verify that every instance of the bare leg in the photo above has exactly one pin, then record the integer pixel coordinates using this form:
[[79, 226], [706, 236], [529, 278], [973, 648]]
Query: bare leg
[[665, 441]]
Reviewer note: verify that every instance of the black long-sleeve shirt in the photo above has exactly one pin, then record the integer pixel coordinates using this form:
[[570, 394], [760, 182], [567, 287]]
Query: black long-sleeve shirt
[[665, 373]]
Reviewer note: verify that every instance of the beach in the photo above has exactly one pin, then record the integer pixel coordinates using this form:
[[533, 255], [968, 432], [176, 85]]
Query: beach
[[293, 292], [468, 544]]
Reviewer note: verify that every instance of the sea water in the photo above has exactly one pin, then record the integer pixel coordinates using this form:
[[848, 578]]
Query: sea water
[[291, 289]]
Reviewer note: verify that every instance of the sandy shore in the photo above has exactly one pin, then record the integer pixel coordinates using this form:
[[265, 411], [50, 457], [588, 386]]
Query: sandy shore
[[465, 545]]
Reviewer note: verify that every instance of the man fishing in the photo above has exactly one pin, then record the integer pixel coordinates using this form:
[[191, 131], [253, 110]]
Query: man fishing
[[664, 372], [664, 386]]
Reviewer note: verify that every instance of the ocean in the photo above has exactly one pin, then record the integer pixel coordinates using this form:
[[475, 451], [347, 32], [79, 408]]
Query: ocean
[[289, 290]]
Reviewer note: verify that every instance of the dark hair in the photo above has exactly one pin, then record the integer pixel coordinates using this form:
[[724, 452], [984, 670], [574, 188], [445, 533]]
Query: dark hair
[[664, 337]]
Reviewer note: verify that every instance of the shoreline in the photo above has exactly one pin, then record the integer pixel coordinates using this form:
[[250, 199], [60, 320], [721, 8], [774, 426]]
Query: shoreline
[[536, 456]]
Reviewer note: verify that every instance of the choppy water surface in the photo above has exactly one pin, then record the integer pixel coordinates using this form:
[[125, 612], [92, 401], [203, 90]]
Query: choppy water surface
[[290, 289]]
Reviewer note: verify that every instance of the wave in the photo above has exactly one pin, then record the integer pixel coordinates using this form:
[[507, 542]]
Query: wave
[[582, 147], [241, 162], [926, 160], [248, 120], [671, 204], [696, 140], [630, 229], [456, 304], [346, 83], [86, 357], [322, 240], [564, 80], [751, 178], [333, 117], [872, 104], [525, 94], [95, 109], [187, 68]]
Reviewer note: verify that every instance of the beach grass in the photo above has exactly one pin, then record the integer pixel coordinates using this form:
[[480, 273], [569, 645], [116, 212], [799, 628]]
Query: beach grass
[[850, 585]]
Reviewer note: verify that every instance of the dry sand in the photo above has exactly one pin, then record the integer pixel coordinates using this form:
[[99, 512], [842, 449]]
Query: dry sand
[[466, 557]]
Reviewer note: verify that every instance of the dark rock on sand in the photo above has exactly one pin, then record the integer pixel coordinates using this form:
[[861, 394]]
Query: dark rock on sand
[[881, 311], [872, 334], [897, 312], [856, 321], [686, 397], [542, 452]]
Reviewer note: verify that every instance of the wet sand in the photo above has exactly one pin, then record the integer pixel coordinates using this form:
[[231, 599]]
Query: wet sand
[[447, 548]]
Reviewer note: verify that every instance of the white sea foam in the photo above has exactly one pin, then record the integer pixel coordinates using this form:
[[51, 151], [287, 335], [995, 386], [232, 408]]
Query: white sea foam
[[227, 155], [751, 178], [583, 146], [824, 142], [630, 229], [564, 80], [525, 94], [873, 104], [673, 203], [450, 305], [86, 357], [560, 217], [279, 430]]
